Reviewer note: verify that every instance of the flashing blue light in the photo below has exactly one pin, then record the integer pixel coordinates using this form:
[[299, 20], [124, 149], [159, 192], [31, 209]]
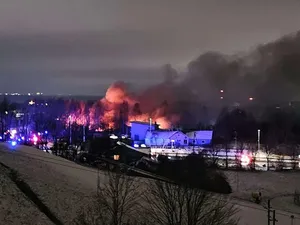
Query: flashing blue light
[[13, 143], [19, 139]]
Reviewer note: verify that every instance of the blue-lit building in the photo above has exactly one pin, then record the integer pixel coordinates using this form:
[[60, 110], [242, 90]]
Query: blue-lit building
[[142, 134], [139, 131], [166, 138], [200, 137]]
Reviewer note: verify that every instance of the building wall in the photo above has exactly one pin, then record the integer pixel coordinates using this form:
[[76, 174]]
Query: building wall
[[166, 138], [139, 130], [201, 137], [200, 142]]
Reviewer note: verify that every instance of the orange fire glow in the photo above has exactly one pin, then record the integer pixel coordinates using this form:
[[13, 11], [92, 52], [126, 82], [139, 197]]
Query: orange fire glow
[[118, 104]]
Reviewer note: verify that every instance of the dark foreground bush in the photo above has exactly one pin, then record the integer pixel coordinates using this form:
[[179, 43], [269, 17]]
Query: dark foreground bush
[[195, 172]]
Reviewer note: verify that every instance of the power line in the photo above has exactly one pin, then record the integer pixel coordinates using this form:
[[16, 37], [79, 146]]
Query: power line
[[58, 162]]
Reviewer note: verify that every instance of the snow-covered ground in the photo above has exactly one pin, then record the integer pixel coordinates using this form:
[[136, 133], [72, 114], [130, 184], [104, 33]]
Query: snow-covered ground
[[15, 208], [278, 185], [62, 185], [65, 187]]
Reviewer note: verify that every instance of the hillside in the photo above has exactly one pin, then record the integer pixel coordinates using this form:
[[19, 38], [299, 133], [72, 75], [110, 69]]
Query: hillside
[[64, 187], [15, 207]]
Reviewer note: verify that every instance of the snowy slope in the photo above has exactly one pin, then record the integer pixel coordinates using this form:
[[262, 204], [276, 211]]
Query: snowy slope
[[15, 207], [65, 186], [62, 185]]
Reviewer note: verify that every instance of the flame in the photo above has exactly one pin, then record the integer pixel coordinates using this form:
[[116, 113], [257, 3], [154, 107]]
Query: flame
[[119, 106]]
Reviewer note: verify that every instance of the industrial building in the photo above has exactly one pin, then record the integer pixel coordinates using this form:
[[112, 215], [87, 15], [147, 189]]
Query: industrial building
[[140, 129], [201, 137], [166, 138], [151, 136]]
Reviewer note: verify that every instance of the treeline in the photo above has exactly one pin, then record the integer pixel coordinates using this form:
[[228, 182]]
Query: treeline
[[276, 125], [275, 131]]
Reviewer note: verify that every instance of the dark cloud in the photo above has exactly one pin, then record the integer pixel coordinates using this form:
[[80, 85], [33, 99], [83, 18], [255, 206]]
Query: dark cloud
[[46, 39], [116, 73]]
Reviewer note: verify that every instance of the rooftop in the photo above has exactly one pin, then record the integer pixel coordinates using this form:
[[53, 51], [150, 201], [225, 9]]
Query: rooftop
[[139, 122]]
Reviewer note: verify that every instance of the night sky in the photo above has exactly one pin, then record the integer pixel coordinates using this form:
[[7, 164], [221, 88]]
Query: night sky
[[82, 46]]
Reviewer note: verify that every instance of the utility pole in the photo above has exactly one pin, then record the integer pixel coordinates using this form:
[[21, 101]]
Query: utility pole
[[83, 133], [269, 212], [273, 218], [258, 139], [292, 219], [150, 130], [194, 140], [70, 130]]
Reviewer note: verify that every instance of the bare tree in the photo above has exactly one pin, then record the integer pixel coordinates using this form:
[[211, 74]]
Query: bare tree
[[280, 162], [213, 153], [270, 144], [294, 152], [180, 205], [254, 150], [117, 202]]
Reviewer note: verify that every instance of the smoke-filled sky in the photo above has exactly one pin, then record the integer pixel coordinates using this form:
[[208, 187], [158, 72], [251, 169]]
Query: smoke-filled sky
[[82, 46]]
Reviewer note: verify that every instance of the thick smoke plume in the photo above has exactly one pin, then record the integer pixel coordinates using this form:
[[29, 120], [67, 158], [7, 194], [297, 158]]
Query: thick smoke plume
[[270, 74]]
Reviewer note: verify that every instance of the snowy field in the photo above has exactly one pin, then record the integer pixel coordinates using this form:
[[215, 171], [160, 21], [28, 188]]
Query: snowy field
[[278, 185], [65, 187]]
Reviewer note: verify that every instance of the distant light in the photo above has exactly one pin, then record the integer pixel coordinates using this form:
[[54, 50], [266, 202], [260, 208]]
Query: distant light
[[221, 97], [31, 102], [18, 115], [251, 99], [116, 157], [136, 145], [245, 160], [143, 146], [46, 104], [6, 93], [39, 133], [29, 94], [35, 139], [113, 136], [23, 138], [6, 112], [221, 90], [19, 139], [13, 143], [46, 132], [38, 93], [0, 137]]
